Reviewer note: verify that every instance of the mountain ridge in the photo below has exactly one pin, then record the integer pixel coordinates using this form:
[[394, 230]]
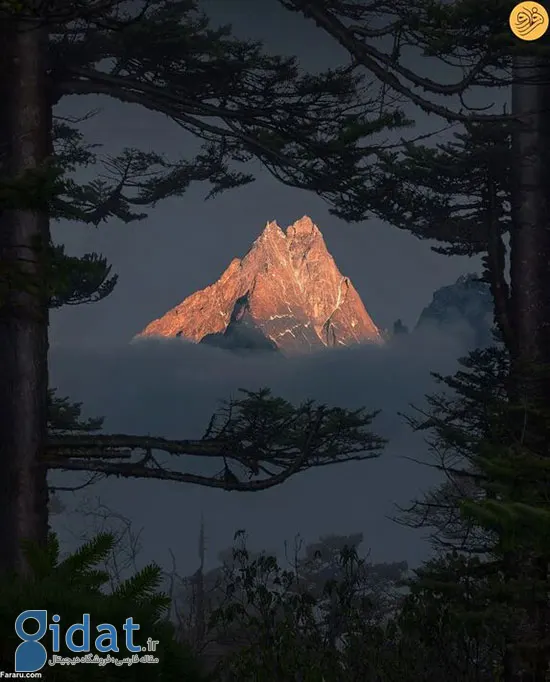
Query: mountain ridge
[[291, 291]]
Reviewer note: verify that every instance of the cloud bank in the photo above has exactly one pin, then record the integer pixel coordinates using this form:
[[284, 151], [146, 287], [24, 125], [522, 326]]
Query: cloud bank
[[170, 388]]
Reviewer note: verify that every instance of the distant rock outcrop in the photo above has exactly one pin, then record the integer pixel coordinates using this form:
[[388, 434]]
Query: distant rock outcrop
[[399, 328], [286, 293], [466, 305]]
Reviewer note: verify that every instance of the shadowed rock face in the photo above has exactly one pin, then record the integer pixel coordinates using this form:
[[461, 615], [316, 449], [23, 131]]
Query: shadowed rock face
[[242, 333], [465, 308], [287, 289]]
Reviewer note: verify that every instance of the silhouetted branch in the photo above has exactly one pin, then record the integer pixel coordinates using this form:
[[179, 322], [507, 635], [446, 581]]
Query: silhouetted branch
[[357, 40], [259, 436]]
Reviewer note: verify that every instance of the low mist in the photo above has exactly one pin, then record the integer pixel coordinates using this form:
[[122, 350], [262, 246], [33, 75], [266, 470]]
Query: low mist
[[170, 388]]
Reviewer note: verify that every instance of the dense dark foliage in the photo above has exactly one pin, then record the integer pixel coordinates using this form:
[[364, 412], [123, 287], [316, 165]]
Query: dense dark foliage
[[75, 585]]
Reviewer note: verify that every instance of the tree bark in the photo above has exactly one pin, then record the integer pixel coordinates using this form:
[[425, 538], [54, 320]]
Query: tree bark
[[25, 137], [530, 235], [530, 295]]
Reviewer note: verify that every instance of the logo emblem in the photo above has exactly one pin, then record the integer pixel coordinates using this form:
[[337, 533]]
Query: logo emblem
[[31, 655], [529, 21]]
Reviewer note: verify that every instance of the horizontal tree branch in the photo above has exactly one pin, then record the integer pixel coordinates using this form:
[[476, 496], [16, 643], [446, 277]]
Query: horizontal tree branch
[[260, 437]]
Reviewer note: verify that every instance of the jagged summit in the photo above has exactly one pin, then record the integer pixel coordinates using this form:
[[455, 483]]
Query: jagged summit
[[286, 293]]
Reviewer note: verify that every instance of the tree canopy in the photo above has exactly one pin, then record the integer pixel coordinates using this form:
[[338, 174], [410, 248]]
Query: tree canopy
[[235, 101]]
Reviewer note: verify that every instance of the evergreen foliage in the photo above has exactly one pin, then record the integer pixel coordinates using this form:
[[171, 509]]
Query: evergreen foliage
[[65, 416], [259, 439], [492, 510], [75, 585], [456, 193]]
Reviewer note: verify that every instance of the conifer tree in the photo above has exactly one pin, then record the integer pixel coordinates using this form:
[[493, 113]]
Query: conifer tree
[[489, 518], [237, 102], [77, 584], [474, 40]]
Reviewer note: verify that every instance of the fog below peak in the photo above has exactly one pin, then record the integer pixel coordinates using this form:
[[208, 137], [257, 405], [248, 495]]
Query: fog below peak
[[170, 388]]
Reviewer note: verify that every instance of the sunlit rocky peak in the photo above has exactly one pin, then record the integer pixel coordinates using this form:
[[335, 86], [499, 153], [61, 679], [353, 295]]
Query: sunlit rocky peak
[[285, 294]]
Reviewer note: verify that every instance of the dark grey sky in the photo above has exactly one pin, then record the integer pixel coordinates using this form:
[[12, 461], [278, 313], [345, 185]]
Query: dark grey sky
[[184, 245]]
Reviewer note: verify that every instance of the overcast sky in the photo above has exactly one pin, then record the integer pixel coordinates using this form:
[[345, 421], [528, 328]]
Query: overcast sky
[[170, 389]]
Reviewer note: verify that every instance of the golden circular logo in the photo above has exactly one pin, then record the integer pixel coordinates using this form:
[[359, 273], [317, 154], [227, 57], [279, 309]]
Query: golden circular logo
[[529, 21]]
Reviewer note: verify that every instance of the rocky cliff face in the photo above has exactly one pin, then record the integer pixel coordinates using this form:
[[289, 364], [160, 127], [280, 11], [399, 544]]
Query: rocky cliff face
[[286, 293], [466, 305]]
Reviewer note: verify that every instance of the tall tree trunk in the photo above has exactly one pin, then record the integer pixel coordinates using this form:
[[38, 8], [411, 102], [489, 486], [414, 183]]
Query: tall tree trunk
[[530, 291], [25, 137], [530, 237]]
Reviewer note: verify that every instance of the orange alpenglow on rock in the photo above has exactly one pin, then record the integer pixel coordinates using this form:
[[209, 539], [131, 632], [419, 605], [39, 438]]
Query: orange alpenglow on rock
[[286, 294]]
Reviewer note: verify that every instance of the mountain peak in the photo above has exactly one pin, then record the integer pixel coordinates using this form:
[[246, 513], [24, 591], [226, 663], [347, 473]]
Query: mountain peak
[[286, 288], [303, 227], [271, 231]]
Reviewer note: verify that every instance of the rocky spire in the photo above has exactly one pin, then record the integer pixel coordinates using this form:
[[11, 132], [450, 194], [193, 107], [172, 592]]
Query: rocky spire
[[287, 289]]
